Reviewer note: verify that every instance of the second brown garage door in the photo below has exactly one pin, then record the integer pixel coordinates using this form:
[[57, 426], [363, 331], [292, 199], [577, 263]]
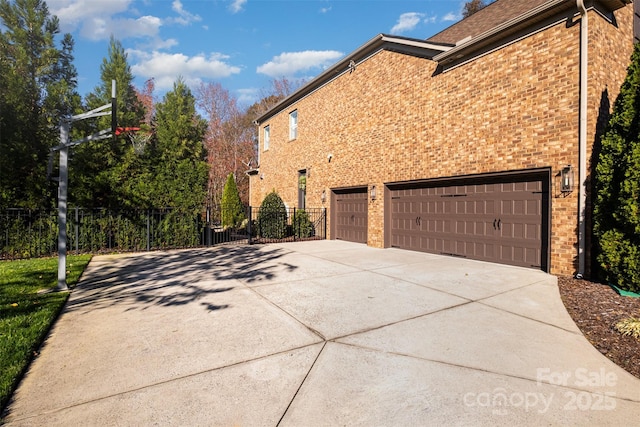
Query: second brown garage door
[[350, 220], [498, 220]]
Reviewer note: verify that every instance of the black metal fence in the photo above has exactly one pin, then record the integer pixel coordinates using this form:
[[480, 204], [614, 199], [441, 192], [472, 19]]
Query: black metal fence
[[290, 224], [29, 233]]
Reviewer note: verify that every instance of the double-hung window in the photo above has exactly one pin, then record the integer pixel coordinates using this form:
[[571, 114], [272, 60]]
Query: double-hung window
[[266, 137], [293, 124]]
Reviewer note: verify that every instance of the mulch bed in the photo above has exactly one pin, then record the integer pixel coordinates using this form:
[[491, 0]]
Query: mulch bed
[[596, 308]]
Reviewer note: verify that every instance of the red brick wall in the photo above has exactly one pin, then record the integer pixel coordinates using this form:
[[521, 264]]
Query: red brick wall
[[394, 119]]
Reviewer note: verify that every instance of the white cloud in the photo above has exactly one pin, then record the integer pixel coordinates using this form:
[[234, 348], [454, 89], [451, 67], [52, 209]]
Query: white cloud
[[326, 9], [450, 17], [407, 22], [75, 13], [289, 63], [157, 43], [97, 28], [165, 68], [247, 96], [185, 18], [237, 5], [98, 20]]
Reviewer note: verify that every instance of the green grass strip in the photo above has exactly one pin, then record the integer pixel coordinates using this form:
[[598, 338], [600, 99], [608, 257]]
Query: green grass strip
[[26, 315]]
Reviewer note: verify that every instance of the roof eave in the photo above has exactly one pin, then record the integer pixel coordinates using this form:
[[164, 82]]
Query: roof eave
[[513, 25]]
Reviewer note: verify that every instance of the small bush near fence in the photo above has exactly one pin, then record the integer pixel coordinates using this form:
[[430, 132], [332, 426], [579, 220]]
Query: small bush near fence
[[292, 224], [302, 226]]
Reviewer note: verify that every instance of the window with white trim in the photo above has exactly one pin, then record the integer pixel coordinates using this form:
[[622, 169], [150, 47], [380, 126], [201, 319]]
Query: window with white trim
[[266, 137], [293, 124]]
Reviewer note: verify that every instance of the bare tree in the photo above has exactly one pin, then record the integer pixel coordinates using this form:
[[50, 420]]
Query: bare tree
[[472, 7], [147, 99], [279, 90], [228, 141]]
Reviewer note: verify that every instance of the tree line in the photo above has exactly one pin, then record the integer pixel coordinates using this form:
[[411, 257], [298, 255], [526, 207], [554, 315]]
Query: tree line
[[188, 143]]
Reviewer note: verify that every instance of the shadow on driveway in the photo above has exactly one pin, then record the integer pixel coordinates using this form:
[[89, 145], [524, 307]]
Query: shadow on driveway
[[173, 278]]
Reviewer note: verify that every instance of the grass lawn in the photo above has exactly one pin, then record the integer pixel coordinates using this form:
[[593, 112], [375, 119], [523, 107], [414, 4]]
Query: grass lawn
[[25, 315]]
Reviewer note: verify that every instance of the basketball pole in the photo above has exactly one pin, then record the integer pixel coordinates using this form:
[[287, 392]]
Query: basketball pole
[[62, 208], [63, 177]]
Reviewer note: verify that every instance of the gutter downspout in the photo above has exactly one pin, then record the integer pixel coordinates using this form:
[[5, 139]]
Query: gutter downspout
[[582, 141]]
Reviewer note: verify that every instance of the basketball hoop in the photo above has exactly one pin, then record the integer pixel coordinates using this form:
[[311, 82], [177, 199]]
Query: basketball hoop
[[138, 139]]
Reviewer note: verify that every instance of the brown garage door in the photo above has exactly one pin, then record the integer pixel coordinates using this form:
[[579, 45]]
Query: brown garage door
[[497, 221], [350, 215]]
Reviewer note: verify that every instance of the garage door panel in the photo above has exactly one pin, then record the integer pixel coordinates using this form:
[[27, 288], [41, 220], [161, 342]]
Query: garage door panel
[[495, 221], [351, 215]]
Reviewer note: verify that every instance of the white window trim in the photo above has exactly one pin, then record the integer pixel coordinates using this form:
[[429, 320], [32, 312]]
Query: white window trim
[[266, 137], [293, 127]]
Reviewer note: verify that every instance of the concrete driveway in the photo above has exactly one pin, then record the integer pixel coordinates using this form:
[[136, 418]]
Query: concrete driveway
[[318, 333]]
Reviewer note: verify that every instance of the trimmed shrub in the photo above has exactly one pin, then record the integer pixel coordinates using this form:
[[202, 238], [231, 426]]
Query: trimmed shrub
[[302, 226], [617, 188], [629, 326], [233, 213], [272, 217]]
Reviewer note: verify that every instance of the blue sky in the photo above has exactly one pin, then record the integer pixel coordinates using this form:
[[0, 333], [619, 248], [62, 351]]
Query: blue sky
[[241, 44]]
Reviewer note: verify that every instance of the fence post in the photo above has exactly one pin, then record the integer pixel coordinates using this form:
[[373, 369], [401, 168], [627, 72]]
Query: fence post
[[148, 232], [324, 213], [110, 228], [208, 226], [293, 224], [77, 231], [249, 225]]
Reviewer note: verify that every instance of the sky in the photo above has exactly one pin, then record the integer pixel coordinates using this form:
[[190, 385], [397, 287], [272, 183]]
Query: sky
[[241, 44]]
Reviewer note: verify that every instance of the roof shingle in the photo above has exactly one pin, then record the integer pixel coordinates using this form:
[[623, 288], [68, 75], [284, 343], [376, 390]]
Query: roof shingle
[[484, 20]]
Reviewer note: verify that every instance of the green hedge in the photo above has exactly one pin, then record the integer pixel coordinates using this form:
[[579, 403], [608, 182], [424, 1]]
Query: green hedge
[[617, 187]]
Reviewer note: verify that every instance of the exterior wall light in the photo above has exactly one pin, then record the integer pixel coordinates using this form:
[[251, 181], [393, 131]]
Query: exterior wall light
[[372, 193], [323, 196], [566, 179]]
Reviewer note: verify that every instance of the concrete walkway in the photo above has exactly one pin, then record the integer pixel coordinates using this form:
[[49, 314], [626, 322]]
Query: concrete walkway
[[320, 333]]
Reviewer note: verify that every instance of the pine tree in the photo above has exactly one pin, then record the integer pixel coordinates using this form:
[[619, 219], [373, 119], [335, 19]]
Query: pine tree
[[180, 167], [37, 87], [101, 172], [232, 210], [617, 187]]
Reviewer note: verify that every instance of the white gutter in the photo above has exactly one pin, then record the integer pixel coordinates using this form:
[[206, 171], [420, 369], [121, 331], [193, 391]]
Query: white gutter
[[582, 142], [413, 42]]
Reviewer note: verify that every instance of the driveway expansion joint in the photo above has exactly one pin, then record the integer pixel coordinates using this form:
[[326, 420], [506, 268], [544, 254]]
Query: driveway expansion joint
[[308, 350]]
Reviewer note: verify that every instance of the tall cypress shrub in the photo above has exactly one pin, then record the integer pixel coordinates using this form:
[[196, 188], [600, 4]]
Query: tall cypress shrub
[[617, 187], [232, 209]]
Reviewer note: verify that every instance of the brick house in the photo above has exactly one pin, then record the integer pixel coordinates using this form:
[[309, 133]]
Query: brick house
[[476, 142]]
